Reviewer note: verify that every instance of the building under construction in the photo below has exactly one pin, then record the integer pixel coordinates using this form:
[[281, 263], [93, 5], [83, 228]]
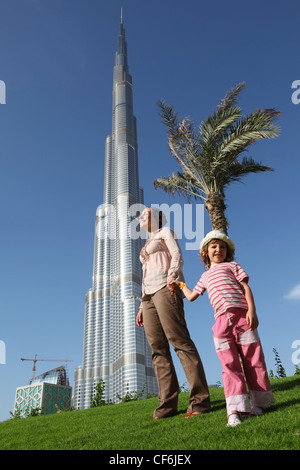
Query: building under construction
[[56, 376]]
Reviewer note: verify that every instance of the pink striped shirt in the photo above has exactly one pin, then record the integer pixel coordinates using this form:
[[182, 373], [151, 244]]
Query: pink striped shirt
[[222, 284]]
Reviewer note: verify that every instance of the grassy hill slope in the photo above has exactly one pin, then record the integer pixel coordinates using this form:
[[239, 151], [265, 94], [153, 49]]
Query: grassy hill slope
[[129, 426]]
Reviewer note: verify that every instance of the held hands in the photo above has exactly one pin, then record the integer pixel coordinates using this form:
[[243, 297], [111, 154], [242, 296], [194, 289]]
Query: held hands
[[173, 285]]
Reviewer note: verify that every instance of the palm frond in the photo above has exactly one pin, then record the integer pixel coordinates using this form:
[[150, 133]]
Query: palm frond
[[247, 165], [231, 96], [212, 128], [257, 125], [179, 183], [170, 119], [237, 169]]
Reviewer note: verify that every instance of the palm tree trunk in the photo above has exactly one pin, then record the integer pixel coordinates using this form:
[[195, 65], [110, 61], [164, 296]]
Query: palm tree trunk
[[216, 207]]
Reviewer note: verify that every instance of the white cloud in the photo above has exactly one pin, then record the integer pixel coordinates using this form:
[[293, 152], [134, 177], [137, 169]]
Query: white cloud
[[294, 293]]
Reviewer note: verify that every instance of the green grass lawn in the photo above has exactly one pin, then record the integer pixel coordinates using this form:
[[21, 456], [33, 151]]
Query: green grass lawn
[[129, 426]]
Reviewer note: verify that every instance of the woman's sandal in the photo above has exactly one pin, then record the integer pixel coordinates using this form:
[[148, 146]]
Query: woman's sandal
[[190, 414]]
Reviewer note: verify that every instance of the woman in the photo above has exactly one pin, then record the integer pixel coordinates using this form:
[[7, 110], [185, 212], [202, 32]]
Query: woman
[[162, 315]]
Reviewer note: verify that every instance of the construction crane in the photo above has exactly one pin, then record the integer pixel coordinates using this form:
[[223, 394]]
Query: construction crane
[[35, 361]]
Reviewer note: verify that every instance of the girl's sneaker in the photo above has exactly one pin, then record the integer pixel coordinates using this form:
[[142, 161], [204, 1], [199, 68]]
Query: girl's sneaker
[[233, 420]]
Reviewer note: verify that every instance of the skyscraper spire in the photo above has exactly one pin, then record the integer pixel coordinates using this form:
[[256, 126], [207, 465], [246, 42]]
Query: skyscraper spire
[[115, 349], [121, 54]]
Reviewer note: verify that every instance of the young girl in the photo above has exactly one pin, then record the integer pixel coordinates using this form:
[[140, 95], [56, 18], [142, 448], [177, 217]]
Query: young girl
[[235, 330]]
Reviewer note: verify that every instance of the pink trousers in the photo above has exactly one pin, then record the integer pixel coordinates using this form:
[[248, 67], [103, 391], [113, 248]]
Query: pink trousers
[[236, 343]]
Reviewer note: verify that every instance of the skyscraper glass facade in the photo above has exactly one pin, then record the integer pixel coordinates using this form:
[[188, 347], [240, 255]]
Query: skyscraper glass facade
[[115, 349]]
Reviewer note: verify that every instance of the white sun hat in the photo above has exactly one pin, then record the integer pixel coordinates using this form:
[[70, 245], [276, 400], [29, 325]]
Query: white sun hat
[[217, 235]]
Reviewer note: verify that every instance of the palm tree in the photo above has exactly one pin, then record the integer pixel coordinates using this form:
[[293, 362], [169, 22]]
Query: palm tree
[[209, 158]]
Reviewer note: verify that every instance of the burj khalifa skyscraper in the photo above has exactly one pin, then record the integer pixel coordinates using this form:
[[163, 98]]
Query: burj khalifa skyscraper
[[115, 349]]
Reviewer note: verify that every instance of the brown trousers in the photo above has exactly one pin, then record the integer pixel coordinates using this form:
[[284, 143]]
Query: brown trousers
[[163, 318]]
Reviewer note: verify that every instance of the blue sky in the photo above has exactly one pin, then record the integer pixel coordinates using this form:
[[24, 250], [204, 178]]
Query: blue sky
[[56, 60]]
